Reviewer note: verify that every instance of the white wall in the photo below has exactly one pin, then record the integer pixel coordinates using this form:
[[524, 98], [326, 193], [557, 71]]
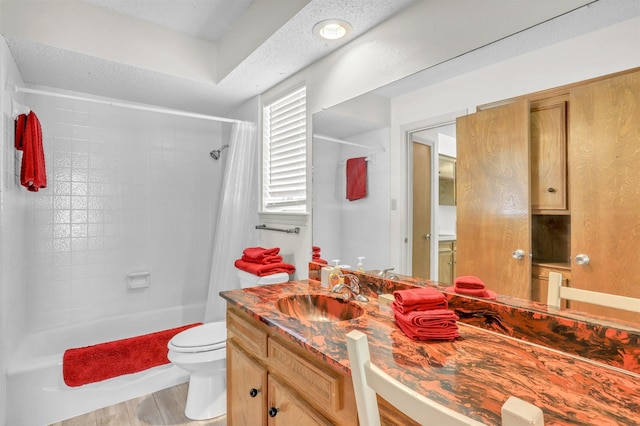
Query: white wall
[[127, 191], [13, 252], [347, 229]]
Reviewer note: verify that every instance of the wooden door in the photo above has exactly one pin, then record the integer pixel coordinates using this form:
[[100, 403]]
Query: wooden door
[[421, 234], [246, 388], [493, 210], [604, 177]]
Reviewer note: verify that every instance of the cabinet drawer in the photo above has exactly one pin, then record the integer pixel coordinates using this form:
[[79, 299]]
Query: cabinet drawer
[[246, 335], [300, 372]]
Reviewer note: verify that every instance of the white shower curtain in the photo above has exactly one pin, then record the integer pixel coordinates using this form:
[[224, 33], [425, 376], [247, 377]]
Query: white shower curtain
[[237, 216]]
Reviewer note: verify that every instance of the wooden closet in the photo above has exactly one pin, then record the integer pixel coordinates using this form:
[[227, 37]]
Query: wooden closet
[[551, 182]]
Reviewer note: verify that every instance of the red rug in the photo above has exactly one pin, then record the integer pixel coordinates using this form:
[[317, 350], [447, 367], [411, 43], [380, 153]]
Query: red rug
[[111, 359]]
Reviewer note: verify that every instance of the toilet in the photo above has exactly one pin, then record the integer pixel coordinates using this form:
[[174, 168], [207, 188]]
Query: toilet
[[201, 350]]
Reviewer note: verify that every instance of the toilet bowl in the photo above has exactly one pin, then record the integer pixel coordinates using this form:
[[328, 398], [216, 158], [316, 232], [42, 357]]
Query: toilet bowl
[[201, 350]]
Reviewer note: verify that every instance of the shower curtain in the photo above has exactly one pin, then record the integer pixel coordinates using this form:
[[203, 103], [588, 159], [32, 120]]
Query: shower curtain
[[237, 216]]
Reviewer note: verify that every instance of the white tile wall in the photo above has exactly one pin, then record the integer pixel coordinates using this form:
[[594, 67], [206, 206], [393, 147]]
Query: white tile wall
[[127, 191]]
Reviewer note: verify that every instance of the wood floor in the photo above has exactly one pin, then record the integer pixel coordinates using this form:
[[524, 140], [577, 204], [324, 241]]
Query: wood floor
[[165, 407]]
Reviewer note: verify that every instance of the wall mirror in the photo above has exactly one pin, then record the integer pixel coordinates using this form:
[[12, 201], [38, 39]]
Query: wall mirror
[[345, 229]]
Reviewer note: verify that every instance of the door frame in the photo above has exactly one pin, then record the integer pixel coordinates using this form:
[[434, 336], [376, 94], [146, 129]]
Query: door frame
[[407, 130]]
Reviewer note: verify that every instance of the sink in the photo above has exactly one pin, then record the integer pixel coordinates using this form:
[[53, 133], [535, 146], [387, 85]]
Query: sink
[[317, 307]]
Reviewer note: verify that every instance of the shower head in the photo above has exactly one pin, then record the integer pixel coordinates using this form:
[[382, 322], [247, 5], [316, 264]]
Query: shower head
[[215, 154]]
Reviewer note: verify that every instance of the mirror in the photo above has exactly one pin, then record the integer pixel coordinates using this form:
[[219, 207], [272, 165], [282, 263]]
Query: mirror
[[346, 229]]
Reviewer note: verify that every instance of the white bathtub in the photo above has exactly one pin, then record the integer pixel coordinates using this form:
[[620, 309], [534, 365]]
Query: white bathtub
[[36, 392]]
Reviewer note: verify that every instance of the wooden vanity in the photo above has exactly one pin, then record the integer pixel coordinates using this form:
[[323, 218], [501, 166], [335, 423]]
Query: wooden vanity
[[282, 370]]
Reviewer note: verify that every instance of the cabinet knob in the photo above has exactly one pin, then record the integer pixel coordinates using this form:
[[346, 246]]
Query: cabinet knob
[[551, 189], [518, 254], [273, 411], [253, 392], [582, 259]]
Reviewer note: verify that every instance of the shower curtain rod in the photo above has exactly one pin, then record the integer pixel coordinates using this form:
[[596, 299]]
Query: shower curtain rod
[[327, 138], [128, 105]]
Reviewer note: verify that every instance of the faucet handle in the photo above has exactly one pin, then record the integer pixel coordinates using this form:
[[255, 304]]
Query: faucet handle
[[383, 273]]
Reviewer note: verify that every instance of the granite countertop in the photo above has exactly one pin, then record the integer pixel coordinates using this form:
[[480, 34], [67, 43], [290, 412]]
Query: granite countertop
[[474, 375]]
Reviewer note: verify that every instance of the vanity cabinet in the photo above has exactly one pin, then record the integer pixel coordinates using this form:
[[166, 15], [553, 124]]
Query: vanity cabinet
[[446, 262], [446, 180], [553, 178], [272, 382]]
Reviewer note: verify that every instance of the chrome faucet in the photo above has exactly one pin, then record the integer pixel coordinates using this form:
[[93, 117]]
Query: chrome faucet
[[383, 274], [353, 288]]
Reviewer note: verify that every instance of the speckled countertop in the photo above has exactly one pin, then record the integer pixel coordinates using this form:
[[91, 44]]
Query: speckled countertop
[[474, 374]]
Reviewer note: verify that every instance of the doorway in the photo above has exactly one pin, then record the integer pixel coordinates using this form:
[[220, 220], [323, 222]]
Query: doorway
[[431, 221]]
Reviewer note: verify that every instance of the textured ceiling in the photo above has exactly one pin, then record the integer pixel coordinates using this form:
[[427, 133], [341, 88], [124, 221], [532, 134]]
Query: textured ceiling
[[287, 50]]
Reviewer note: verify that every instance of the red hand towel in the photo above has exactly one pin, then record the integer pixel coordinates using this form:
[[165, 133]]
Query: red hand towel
[[262, 270], [316, 249], [356, 178], [482, 293], [419, 299], [468, 281], [28, 139], [256, 254], [421, 333], [265, 259]]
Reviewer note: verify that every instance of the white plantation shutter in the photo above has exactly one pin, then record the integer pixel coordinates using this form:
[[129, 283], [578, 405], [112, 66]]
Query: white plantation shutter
[[284, 158]]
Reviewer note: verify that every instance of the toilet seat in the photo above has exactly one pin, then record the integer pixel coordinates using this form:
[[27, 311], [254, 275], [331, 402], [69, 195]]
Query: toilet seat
[[202, 338]]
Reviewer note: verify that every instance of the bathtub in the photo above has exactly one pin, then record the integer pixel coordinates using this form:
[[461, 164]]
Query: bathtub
[[36, 392]]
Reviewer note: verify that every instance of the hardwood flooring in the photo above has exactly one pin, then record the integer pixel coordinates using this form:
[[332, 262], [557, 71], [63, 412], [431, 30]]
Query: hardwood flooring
[[164, 407]]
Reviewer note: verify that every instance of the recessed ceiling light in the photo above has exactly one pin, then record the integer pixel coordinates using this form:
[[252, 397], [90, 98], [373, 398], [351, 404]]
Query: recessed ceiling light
[[332, 29]]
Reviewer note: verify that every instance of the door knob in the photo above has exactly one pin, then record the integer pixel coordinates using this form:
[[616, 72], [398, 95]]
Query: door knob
[[582, 259], [518, 254], [428, 237]]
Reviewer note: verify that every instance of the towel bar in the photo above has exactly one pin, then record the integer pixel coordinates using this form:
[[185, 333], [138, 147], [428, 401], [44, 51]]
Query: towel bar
[[295, 230]]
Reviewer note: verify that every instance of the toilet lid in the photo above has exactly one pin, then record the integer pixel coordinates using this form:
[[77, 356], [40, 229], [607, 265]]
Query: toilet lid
[[200, 338]]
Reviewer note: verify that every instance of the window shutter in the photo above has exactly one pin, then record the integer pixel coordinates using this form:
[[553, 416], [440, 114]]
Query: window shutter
[[285, 154]]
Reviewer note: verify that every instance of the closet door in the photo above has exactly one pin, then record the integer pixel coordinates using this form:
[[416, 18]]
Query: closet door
[[493, 211], [604, 177]]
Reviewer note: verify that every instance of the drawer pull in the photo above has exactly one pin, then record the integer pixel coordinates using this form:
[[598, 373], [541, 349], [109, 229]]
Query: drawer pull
[[551, 189], [253, 392], [273, 411]]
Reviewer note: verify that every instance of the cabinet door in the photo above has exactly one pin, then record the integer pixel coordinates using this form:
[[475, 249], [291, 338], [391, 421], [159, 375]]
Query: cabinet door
[[604, 177], [246, 388], [493, 210], [445, 263], [549, 155], [286, 408]]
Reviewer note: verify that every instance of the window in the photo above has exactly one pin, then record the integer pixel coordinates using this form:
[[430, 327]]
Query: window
[[284, 154]]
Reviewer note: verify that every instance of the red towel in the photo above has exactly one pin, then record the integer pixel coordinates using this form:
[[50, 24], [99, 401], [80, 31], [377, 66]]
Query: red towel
[[469, 281], [435, 318], [315, 249], [423, 333], [482, 293], [28, 139], [265, 259], [257, 254], [356, 178], [262, 270], [419, 299]]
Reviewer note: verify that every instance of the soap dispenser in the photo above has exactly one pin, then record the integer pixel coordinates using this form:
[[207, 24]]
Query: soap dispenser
[[360, 265], [334, 277]]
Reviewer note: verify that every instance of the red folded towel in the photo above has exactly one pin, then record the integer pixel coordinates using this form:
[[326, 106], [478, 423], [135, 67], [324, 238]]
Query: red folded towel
[[469, 281], [436, 333], [419, 299], [257, 254], [356, 178], [435, 318], [482, 293], [315, 249], [28, 139], [265, 259], [262, 270]]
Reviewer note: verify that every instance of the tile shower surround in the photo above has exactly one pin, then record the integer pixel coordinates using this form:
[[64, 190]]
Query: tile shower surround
[[127, 191]]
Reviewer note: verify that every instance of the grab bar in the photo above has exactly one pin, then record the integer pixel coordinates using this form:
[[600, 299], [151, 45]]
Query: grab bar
[[295, 230]]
